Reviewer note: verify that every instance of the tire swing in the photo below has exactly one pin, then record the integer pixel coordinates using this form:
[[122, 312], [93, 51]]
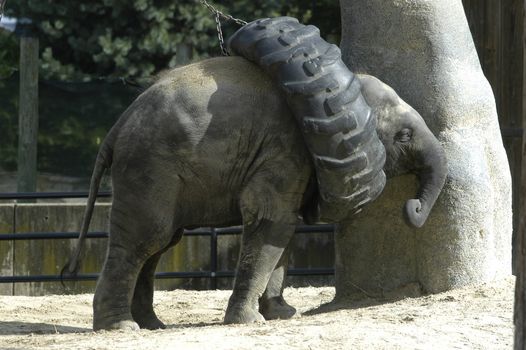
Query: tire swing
[[338, 125]]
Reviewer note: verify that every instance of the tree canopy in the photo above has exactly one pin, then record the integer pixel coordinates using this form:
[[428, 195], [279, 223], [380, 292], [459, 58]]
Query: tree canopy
[[136, 38]]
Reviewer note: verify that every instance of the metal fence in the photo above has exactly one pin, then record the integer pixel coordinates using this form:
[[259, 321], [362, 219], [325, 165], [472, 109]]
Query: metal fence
[[213, 274]]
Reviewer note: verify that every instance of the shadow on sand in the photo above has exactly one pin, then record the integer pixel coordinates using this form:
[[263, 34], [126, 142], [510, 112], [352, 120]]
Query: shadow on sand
[[364, 300], [16, 328]]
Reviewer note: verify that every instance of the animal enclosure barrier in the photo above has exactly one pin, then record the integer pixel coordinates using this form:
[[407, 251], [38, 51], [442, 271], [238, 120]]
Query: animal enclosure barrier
[[213, 273]]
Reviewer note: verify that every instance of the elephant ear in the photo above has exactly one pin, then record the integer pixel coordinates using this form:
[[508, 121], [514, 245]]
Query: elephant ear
[[325, 97], [426, 158]]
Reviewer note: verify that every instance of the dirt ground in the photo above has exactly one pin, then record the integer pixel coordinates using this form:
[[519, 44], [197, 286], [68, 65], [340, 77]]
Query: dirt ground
[[470, 318]]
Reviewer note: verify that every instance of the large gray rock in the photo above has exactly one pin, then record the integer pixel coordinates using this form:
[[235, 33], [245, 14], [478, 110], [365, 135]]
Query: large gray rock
[[425, 51]]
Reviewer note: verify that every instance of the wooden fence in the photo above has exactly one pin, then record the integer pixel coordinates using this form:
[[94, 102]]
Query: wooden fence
[[35, 262], [498, 27]]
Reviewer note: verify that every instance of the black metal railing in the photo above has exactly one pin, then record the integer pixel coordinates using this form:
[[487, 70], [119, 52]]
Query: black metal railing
[[50, 195], [213, 274]]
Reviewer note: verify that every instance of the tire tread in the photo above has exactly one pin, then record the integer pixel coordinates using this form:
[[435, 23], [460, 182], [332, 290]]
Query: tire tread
[[311, 72]]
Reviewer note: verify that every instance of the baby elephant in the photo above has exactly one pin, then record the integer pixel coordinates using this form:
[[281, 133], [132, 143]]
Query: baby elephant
[[214, 144]]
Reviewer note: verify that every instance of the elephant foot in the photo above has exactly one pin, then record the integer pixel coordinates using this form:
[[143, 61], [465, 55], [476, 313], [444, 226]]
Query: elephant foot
[[242, 314], [150, 322], [115, 325], [276, 308]]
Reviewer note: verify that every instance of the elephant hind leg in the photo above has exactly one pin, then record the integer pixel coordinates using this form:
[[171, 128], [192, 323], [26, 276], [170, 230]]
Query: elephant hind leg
[[142, 303], [272, 305], [139, 229], [111, 303]]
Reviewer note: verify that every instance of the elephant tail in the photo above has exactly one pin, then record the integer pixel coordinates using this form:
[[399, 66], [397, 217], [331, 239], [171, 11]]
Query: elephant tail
[[103, 162]]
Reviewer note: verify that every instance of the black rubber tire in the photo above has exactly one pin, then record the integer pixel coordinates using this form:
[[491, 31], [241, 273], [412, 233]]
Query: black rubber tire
[[325, 97]]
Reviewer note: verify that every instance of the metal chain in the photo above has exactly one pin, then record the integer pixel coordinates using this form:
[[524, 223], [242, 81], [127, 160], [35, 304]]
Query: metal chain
[[224, 51], [218, 14], [2, 4]]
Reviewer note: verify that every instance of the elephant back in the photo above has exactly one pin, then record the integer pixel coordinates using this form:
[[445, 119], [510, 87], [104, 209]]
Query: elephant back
[[338, 126]]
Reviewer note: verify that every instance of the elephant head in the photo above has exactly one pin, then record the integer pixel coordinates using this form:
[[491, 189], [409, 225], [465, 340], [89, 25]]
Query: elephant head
[[410, 146]]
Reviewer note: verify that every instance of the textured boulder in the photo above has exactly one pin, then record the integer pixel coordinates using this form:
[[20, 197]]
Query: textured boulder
[[424, 50]]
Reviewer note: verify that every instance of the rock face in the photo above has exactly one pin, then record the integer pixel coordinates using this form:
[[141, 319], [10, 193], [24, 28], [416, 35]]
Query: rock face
[[425, 51]]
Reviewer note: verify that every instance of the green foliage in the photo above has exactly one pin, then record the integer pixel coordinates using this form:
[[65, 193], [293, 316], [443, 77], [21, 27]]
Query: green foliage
[[111, 37], [136, 38], [8, 124], [81, 41], [73, 119], [8, 102], [8, 54]]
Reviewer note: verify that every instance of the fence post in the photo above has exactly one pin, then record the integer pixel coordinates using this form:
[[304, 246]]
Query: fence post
[[28, 113], [213, 258], [183, 54], [519, 318]]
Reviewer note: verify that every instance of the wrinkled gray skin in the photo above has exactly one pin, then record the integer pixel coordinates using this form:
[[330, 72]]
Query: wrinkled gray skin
[[214, 144], [410, 147]]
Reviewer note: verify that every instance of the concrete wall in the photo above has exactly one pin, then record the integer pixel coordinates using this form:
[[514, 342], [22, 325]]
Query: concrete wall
[[47, 257], [45, 182], [7, 216]]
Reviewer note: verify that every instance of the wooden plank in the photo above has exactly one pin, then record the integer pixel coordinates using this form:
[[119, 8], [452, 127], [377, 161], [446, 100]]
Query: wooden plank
[[475, 16], [513, 147], [7, 217], [314, 250], [184, 53], [228, 254], [498, 30], [28, 114], [510, 92], [510, 79], [484, 22], [191, 254], [47, 257], [512, 95], [519, 243], [490, 59]]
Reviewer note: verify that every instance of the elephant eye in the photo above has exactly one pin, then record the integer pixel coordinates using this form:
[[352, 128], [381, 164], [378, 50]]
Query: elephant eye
[[404, 135]]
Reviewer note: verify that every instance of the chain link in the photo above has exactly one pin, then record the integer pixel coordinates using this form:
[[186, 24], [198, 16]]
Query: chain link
[[224, 51], [2, 4], [217, 12], [218, 15]]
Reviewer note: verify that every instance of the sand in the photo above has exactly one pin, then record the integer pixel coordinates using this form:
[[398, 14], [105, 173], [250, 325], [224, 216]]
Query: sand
[[469, 318]]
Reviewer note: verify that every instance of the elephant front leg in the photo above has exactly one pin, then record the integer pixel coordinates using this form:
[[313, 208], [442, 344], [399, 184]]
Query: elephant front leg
[[269, 207], [272, 305], [259, 255]]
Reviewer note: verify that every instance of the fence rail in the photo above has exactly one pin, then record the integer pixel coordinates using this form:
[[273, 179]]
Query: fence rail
[[50, 195], [213, 274]]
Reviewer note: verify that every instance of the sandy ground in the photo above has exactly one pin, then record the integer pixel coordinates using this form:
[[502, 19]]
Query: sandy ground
[[469, 318]]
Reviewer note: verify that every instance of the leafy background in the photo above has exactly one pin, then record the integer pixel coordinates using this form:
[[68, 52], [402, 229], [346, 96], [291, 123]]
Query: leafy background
[[87, 48]]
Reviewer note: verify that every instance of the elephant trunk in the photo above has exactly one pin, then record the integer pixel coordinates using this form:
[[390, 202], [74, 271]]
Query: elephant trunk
[[432, 176]]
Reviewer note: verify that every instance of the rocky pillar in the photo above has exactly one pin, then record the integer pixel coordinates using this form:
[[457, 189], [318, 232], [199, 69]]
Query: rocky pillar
[[424, 50]]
